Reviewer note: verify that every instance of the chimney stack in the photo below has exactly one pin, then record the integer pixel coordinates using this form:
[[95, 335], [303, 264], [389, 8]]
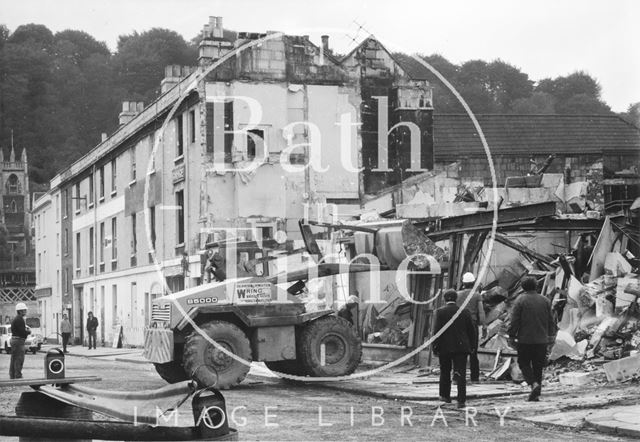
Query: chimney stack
[[104, 137], [325, 43], [213, 44], [129, 110]]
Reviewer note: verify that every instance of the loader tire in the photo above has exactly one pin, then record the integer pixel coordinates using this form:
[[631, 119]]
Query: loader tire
[[172, 372], [208, 365], [343, 348]]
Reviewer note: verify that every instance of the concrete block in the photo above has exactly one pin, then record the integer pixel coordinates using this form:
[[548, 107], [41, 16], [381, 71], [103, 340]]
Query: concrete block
[[623, 369], [440, 210], [574, 378]]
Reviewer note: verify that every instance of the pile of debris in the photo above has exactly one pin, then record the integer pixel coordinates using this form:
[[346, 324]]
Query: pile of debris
[[598, 313]]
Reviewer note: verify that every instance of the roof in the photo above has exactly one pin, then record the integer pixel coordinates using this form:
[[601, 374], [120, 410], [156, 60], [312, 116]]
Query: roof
[[455, 135], [412, 67]]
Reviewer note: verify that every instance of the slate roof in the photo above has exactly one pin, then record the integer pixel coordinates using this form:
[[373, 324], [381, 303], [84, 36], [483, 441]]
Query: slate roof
[[412, 67], [455, 135]]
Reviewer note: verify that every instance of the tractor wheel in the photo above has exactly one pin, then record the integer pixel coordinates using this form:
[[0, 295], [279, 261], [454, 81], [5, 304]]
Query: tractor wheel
[[342, 347], [293, 367], [210, 366], [172, 372]]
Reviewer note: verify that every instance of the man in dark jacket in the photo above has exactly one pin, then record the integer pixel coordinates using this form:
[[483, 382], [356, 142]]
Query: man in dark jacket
[[476, 309], [453, 347], [19, 335], [532, 329], [92, 327]]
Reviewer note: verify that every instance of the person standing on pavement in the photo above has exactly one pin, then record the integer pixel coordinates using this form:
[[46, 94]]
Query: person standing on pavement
[[92, 326], [19, 334], [452, 347], [476, 309], [65, 331], [532, 329]]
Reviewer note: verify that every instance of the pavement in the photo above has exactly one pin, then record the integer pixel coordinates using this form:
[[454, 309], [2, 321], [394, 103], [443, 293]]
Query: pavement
[[414, 384], [621, 421]]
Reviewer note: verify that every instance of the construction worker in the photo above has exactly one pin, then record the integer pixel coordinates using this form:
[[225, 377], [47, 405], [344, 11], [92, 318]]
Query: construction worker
[[532, 328], [452, 347], [476, 309], [19, 334]]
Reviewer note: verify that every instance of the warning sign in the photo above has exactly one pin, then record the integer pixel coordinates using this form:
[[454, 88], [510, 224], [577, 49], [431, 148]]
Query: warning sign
[[253, 292]]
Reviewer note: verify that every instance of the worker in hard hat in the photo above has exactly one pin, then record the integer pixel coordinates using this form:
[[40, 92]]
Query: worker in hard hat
[[19, 333], [476, 308]]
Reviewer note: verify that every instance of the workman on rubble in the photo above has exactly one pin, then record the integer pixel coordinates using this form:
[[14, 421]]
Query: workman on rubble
[[476, 309]]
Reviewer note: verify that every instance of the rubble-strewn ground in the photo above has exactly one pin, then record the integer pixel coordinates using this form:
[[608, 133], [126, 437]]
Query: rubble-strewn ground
[[297, 412]]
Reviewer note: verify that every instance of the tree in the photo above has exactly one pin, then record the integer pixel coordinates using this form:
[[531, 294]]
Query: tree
[[577, 93], [632, 115], [141, 59], [537, 103]]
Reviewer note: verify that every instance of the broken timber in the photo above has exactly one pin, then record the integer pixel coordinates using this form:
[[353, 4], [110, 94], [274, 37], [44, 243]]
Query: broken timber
[[502, 239]]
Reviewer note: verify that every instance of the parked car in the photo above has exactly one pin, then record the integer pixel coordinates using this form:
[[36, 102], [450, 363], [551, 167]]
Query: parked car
[[32, 343], [36, 331]]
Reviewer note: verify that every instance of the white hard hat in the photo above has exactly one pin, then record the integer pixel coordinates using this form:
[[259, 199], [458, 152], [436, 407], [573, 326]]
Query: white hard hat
[[468, 278], [21, 306]]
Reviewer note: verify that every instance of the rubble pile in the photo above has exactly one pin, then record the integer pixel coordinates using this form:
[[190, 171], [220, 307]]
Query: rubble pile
[[598, 314]]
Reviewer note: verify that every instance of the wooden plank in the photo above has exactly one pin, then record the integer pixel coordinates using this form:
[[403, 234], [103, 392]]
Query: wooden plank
[[502, 239], [42, 381]]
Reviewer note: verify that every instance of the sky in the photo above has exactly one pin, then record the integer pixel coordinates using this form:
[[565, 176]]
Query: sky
[[543, 38]]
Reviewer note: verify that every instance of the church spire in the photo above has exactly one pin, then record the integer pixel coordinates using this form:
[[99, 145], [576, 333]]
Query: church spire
[[12, 155], [1, 155], [23, 157]]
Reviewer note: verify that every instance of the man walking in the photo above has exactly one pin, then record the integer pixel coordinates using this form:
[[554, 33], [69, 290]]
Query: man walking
[[65, 331], [476, 309], [92, 326], [19, 334], [532, 329], [452, 347]]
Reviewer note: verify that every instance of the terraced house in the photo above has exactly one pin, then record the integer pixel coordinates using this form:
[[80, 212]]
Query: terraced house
[[226, 148]]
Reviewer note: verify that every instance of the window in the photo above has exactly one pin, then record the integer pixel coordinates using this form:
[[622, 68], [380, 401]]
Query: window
[[102, 244], [77, 197], [78, 252], [65, 202], [134, 236], [13, 207], [192, 126], [91, 250], [66, 241], [114, 189], [101, 183], [179, 136], [114, 303], [57, 208], [180, 216], [255, 143], [152, 224], [57, 244], [91, 190], [13, 184], [133, 164], [39, 268], [114, 243]]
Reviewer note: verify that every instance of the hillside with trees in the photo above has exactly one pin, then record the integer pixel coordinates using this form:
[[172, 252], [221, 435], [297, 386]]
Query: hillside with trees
[[60, 91]]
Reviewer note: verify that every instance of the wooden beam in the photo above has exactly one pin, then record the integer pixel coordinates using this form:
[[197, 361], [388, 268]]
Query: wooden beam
[[502, 239]]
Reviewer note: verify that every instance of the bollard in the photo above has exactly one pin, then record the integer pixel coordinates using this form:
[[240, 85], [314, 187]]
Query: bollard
[[210, 413], [54, 364]]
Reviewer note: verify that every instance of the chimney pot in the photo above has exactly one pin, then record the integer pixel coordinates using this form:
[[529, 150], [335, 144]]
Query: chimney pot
[[104, 136], [325, 42]]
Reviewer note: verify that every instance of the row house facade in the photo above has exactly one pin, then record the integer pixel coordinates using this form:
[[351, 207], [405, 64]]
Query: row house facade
[[220, 154]]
